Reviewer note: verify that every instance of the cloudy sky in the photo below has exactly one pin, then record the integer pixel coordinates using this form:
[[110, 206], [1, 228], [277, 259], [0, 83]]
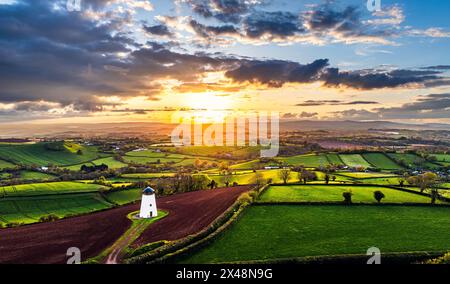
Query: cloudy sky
[[138, 60]]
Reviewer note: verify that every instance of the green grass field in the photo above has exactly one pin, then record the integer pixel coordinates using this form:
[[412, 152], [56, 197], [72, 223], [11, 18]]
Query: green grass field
[[381, 161], [33, 189], [329, 193], [312, 160], [241, 153], [42, 154], [28, 210], [283, 231], [148, 175], [334, 159], [363, 175], [442, 157], [123, 197], [30, 175], [381, 181], [110, 162], [249, 177], [6, 165], [150, 160], [412, 160], [354, 160]]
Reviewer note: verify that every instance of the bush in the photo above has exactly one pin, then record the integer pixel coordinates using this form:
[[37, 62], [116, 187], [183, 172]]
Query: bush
[[12, 224], [440, 260], [347, 196], [378, 195], [48, 218]]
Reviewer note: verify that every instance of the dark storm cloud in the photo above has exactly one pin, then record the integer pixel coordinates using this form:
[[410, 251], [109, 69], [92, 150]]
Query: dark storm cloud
[[160, 30], [429, 106], [211, 31], [275, 24], [377, 80], [346, 24], [228, 11], [438, 67], [276, 73], [325, 18]]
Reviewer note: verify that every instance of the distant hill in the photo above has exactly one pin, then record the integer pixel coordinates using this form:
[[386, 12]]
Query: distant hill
[[156, 129], [357, 125]]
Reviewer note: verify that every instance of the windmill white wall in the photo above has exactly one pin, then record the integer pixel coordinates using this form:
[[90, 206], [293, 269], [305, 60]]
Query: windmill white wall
[[148, 204]]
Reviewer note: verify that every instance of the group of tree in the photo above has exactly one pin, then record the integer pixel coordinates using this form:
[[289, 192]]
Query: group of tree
[[94, 168]]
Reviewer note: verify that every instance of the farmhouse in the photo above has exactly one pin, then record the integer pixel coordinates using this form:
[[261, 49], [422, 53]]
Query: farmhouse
[[148, 204]]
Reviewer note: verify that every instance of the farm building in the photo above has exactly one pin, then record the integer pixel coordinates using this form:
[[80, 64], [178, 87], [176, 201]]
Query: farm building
[[148, 204]]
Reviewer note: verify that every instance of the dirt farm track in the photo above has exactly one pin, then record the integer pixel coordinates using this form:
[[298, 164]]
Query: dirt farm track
[[48, 242]]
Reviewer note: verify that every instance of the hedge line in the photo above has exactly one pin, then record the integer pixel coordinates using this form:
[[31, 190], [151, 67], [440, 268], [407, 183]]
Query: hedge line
[[270, 203], [177, 248], [386, 258]]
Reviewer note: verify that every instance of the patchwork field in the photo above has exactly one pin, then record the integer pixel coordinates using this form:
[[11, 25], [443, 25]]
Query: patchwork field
[[354, 160], [110, 162], [249, 177], [328, 193], [313, 161], [442, 157], [42, 154], [147, 175], [364, 175], [123, 197], [381, 161], [334, 159], [30, 175], [5, 164], [412, 160], [27, 210], [49, 188], [289, 231]]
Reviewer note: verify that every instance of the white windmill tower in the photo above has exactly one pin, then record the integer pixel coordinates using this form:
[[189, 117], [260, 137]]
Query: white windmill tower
[[148, 204]]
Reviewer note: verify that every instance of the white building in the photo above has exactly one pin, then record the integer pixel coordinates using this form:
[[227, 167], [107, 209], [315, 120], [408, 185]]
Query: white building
[[148, 204]]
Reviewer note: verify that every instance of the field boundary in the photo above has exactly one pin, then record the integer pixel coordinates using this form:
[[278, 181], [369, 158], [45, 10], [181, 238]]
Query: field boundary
[[442, 198], [333, 203], [386, 258]]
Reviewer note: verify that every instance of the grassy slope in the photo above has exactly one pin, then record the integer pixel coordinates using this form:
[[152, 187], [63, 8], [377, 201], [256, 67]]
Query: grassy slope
[[313, 193], [381, 161], [48, 188], [38, 154], [312, 160], [30, 175], [124, 196], [6, 165], [354, 160], [29, 209], [110, 162], [269, 232], [411, 159], [334, 158]]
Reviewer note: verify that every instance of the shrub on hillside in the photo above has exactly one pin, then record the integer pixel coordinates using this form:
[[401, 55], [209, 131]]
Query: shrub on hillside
[[440, 260], [347, 196], [48, 218], [378, 195]]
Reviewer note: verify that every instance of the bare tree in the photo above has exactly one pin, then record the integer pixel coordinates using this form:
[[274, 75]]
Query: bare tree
[[284, 174]]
